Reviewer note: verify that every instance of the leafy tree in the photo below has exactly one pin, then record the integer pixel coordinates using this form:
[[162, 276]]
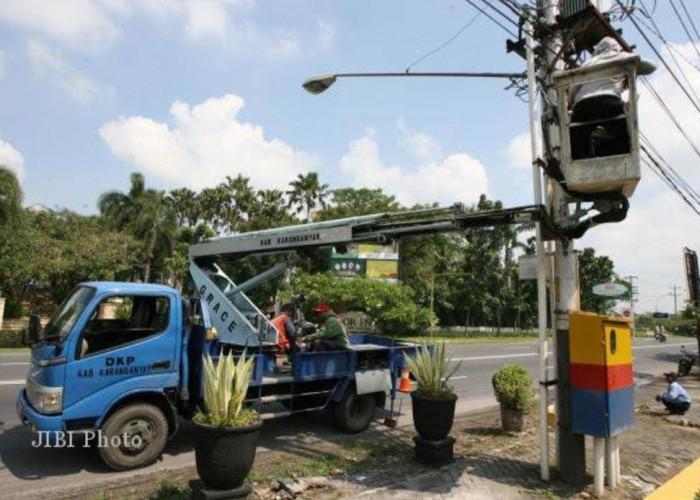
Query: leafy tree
[[57, 250], [392, 306], [594, 270], [307, 193], [351, 202], [11, 213], [187, 205]]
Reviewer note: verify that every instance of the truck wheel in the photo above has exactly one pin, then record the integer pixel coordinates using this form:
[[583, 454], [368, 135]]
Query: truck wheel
[[135, 436], [353, 413]]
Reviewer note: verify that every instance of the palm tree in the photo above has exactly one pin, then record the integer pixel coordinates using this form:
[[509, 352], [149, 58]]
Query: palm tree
[[156, 225], [307, 192], [10, 198], [120, 209], [186, 204]]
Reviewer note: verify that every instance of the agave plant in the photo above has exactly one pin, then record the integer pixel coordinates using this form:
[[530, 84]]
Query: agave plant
[[430, 371], [225, 387]]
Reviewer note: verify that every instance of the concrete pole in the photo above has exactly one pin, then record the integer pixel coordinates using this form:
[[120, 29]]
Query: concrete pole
[[535, 146], [598, 466], [570, 446], [610, 462]]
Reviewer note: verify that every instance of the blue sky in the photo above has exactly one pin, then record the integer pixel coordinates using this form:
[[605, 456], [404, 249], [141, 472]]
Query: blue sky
[[189, 91]]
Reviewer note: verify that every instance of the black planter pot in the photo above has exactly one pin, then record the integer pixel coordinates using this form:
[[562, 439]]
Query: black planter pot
[[433, 417], [225, 455]]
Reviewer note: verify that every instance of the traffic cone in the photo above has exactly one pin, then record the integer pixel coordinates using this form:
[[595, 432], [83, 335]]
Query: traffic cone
[[405, 385]]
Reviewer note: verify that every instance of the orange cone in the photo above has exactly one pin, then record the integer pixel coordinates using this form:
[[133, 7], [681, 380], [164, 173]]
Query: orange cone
[[405, 385]]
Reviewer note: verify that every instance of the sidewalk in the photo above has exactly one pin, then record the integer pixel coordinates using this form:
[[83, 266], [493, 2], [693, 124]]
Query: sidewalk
[[378, 464]]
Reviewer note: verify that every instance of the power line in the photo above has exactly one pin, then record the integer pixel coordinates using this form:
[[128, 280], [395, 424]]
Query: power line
[[445, 43], [657, 168], [481, 9], [690, 18], [663, 61], [684, 185], [680, 19], [670, 114]]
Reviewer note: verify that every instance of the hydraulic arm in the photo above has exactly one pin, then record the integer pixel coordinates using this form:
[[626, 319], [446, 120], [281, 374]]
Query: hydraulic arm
[[238, 321]]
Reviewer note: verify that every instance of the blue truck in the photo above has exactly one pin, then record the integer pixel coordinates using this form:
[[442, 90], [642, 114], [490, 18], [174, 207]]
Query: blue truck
[[125, 359]]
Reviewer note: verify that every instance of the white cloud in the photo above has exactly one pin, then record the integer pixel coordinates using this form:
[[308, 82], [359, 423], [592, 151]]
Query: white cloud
[[518, 151], [457, 177], [51, 65], [79, 23], [10, 157], [421, 145], [204, 143], [286, 44], [326, 35]]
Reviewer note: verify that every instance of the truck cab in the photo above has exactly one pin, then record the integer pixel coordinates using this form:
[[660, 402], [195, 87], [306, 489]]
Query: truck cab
[[110, 359]]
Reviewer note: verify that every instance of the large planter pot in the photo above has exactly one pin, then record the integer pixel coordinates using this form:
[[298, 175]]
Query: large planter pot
[[512, 420], [433, 417], [225, 455]]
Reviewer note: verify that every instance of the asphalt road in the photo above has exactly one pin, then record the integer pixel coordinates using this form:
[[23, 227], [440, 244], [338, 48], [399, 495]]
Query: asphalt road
[[29, 472]]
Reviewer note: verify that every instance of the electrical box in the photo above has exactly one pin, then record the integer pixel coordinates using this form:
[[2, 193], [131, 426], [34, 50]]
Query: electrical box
[[602, 381], [596, 172]]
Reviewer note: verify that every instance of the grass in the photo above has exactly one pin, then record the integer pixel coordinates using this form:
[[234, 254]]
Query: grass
[[168, 490], [354, 457], [13, 350], [460, 339]]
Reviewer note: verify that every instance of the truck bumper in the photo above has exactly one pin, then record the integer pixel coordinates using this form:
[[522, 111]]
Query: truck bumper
[[34, 420]]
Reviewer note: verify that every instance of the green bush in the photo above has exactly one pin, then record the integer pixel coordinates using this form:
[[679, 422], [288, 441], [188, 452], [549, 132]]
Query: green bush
[[513, 387], [13, 338], [391, 306], [431, 372]]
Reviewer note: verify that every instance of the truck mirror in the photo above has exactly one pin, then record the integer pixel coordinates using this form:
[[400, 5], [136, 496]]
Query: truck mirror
[[34, 328]]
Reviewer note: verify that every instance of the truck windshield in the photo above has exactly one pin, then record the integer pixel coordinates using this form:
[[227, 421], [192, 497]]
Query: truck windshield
[[61, 323]]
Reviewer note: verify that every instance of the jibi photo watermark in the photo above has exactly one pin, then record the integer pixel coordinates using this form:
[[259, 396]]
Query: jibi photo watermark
[[85, 439]]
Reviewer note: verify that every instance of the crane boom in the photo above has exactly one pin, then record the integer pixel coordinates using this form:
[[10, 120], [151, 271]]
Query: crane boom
[[238, 321]]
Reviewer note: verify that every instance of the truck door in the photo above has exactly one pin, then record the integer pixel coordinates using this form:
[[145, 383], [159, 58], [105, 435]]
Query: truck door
[[128, 343]]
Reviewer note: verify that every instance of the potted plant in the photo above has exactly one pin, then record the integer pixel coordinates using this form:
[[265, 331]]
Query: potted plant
[[433, 400], [227, 433], [514, 391]]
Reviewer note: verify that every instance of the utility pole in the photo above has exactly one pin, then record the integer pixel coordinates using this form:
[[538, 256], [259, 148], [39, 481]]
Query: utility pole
[[571, 453], [675, 299], [632, 301]]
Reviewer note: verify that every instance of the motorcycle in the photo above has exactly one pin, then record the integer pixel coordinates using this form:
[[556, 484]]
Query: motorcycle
[[660, 334], [687, 362]]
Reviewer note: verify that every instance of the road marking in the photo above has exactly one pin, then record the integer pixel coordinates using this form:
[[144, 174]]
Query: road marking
[[18, 363], [500, 356], [460, 377], [528, 354], [12, 382]]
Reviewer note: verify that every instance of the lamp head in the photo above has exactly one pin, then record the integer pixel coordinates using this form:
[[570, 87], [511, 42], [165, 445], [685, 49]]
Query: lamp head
[[319, 83]]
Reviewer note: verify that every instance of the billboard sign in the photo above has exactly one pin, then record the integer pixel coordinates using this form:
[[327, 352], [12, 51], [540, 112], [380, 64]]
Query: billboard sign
[[690, 258], [611, 290]]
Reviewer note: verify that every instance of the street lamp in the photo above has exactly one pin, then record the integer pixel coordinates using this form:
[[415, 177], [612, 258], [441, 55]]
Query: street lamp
[[656, 305], [320, 83]]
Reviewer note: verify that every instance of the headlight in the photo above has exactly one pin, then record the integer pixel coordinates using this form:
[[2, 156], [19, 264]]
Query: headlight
[[44, 399]]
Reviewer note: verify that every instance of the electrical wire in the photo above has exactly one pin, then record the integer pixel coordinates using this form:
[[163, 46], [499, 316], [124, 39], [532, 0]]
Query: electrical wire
[[690, 18], [687, 32], [663, 61], [667, 110], [689, 190], [500, 12], [655, 167], [669, 45], [445, 43], [496, 21]]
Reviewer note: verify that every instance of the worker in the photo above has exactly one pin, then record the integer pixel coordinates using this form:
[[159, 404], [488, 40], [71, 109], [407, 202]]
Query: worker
[[331, 336], [676, 398], [602, 100], [284, 323]]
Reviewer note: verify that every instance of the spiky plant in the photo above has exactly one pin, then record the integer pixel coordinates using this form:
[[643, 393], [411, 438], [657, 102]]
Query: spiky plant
[[430, 371], [225, 387]]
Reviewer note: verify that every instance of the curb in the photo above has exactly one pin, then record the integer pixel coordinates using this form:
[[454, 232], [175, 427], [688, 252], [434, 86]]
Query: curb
[[682, 486]]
